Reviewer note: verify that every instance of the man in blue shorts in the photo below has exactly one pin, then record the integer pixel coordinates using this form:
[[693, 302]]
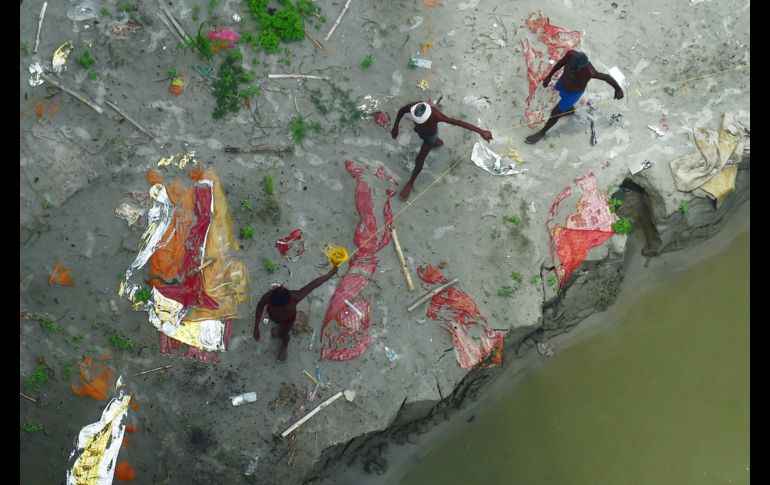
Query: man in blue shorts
[[571, 85]]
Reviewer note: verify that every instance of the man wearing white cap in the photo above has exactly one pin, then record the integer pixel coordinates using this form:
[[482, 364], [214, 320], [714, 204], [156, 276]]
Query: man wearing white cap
[[426, 119]]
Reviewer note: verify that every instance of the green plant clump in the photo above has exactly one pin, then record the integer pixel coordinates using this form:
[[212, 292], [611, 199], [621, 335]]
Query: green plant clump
[[123, 343], [38, 377], [268, 181], [245, 205], [24, 48], [551, 280], [201, 43], [92, 75], [86, 60], [517, 277], [614, 204], [247, 232], [367, 62], [49, 325], [515, 219], [301, 129], [534, 279], [31, 426], [126, 7], [283, 25], [229, 77], [270, 266], [506, 291], [411, 64], [622, 226], [684, 206], [142, 295]]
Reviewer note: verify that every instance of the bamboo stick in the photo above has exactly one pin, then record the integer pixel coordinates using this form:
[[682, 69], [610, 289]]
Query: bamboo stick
[[154, 370], [40, 26], [430, 295], [311, 414], [296, 76], [401, 260], [337, 22], [129, 119], [75, 95]]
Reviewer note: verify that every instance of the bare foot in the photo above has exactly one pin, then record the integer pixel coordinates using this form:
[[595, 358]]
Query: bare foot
[[283, 353], [438, 143], [404, 194], [534, 138]]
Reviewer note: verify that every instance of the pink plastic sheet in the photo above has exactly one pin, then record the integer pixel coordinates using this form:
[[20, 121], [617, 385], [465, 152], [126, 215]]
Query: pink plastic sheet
[[590, 226], [461, 316], [349, 342]]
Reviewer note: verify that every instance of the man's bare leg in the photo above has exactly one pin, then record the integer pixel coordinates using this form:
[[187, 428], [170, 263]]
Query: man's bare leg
[[418, 164], [555, 115]]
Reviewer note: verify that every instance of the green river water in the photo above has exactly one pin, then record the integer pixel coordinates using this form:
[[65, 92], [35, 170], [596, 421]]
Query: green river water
[[657, 394]]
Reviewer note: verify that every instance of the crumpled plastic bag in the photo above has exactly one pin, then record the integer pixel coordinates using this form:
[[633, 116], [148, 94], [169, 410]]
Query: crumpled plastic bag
[[484, 158]]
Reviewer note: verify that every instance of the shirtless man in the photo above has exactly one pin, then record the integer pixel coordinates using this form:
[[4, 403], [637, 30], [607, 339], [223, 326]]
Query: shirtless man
[[282, 308], [577, 72], [426, 119]]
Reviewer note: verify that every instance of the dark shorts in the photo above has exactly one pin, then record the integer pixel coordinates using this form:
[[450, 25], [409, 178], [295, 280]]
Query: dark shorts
[[568, 99], [429, 139]]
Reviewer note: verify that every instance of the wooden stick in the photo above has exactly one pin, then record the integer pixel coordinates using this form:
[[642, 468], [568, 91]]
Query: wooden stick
[[430, 295], [311, 414], [202, 267], [315, 41], [40, 26], [294, 95], [153, 370], [169, 27], [24, 395], [315, 381], [128, 118], [337, 22], [296, 76], [75, 95], [175, 23], [259, 149], [401, 260]]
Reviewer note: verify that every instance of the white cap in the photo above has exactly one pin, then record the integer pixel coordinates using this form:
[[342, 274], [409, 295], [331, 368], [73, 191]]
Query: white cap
[[425, 115]]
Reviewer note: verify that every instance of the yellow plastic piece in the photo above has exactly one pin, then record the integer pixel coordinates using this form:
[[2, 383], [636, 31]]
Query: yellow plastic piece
[[336, 254]]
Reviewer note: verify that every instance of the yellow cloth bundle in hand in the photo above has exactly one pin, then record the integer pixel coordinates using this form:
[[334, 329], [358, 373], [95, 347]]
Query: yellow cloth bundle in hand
[[336, 254]]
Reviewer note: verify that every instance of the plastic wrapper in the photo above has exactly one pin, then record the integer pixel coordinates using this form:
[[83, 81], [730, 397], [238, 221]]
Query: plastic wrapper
[[129, 213], [60, 55], [293, 245], [489, 161], [97, 446]]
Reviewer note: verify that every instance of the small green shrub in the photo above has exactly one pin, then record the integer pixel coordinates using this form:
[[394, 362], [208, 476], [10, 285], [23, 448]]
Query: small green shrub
[[517, 277], [38, 377], [684, 206], [514, 219], [270, 266], [142, 295], [268, 181], [367, 62], [301, 129], [86, 60], [49, 326], [121, 342], [92, 75], [247, 232], [506, 291], [622, 226], [614, 204], [31, 427], [534, 279], [551, 280]]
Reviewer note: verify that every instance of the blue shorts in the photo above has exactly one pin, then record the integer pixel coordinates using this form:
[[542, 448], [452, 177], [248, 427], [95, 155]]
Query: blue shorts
[[568, 99], [429, 139]]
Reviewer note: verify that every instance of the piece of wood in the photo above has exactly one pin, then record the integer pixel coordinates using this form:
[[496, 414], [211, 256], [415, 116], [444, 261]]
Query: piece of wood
[[404, 267], [169, 27], [259, 149], [430, 295], [175, 23], [202, 267], [294, 95], [128, 118], [40, 26], [337, 22], [27, 397], [311, 414], [315, 41], [296, 76], [154, 370], [72, 93], [315, 381]]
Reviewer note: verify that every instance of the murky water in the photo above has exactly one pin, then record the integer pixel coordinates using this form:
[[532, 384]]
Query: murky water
[[657, 394]]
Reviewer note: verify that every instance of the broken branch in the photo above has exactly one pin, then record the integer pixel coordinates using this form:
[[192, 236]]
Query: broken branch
[[337, 22], [129, 119], [75, 95], [296, 76], [154, 370], [25, 396], [315, 41], [259, 149], [430, 295]]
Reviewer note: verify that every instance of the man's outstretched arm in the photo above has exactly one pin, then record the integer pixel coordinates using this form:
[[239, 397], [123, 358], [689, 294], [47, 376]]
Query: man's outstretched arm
[[404, 110], [611, 81], [562, 62], [486, 134], [302, 293]]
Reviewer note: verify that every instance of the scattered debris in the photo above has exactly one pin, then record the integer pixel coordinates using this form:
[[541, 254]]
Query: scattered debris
[[424, 84], [244, 398], [60, 276], [659, 131], [251, 466], [392, 354], [381, 118], [294, 242], [79, 97], [60, 55], [424, 63], [545, 349], [177, 86], [482, 157], [431, 294], [129, 213], [83, 11], [349, 395]]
